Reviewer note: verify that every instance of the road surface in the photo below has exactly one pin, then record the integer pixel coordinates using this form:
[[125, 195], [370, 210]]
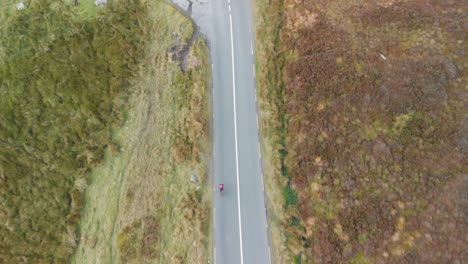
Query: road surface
[[240, 224]]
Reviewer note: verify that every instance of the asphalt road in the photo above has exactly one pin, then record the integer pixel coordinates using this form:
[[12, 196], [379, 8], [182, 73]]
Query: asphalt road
[[240, 225]]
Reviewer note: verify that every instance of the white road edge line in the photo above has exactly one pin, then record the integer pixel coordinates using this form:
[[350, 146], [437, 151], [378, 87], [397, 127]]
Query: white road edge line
[[235, 137], [253, 70], [213, 95], [251, 48], [214, 255], [263, 186], [269, 255]]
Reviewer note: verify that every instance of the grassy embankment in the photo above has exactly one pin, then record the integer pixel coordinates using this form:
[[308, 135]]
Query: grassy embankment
[[270, 61], [91, 103], [152, 212], [363, 117]]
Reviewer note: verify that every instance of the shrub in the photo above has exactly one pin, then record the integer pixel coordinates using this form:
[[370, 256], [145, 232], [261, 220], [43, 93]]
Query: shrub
[[290, 196]]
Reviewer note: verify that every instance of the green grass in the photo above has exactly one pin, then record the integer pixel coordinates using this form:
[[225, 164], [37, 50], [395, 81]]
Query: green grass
[[63, 86], [87, 9], [82, 93], [360, 258], [290, 196], [164, 141]]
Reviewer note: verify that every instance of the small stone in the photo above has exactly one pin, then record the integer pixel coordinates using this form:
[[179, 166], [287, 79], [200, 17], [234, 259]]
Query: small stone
[[100, 2], [20, 6], [194, 178]]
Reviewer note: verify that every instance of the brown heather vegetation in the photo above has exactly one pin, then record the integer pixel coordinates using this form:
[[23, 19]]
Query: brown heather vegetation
[[374, 132]]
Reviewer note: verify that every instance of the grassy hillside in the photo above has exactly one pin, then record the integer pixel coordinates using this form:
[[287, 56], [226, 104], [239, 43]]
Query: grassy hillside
[[141, 206], [364, 121], [70, 78]]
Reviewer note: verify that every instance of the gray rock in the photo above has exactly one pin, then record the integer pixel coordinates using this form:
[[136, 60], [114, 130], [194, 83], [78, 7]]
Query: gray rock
[[194, 178], [20, 6], [100, 2]]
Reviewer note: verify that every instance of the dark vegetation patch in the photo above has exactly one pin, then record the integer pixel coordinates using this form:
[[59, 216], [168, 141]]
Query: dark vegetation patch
[[64, 84], [375, 110]]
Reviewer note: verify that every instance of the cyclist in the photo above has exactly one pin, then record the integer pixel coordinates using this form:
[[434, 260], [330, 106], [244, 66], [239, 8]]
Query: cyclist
[[221, 187]]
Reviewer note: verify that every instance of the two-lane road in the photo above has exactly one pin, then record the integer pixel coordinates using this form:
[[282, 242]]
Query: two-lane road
[[240, 224]]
